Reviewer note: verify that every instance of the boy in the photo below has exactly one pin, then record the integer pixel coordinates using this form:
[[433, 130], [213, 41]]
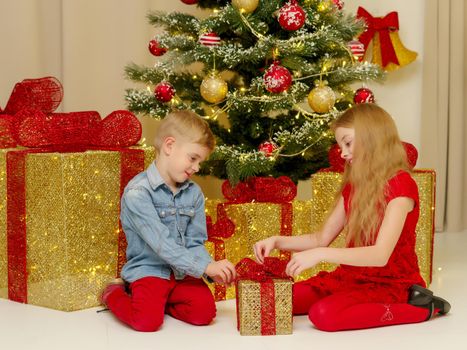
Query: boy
[[162, 214]]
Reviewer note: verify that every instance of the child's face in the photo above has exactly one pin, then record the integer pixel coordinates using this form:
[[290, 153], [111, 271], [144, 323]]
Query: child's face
[[345, 139], [184, 160]]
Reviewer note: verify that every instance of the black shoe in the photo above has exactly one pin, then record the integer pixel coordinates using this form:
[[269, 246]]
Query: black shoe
[[423, 297]]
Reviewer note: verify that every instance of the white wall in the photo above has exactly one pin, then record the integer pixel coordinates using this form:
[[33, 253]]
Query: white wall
[[401, 93]]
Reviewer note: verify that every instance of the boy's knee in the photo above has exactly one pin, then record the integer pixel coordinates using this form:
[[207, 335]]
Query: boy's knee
[[202, 314], [148, 324]]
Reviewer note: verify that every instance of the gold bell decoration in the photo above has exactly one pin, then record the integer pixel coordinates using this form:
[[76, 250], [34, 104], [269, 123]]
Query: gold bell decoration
[[213, 88], [245, 6], [322, 98], [383, 32]]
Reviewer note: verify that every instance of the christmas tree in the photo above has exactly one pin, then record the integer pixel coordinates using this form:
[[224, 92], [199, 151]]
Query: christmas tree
[[268, 76]]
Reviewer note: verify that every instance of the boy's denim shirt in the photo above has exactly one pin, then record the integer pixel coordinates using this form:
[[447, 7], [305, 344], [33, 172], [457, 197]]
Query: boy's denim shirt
[[165, 231]]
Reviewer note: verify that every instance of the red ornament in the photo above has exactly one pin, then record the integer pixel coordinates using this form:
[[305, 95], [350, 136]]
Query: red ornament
[[210, 39], [357, 48], [364, 95], [267, 147], [339, 4], [277, 78], [291, 16], [155, 48], [164, 91], [190, 2]]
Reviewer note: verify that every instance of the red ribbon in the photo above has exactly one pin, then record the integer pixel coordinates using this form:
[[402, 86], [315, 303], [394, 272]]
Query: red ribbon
[[28, 120], [337, 163], [132, 162], [260, 189], [381, 25], [264, 274], [223, 228]]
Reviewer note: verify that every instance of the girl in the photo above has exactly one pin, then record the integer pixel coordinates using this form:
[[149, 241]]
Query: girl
[[378, 282]]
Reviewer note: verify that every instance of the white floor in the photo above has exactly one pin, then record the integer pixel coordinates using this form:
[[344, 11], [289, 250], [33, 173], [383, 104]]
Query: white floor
[[30, 327]]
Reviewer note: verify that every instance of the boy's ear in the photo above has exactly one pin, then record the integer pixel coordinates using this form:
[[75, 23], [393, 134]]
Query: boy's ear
[[168, 145]]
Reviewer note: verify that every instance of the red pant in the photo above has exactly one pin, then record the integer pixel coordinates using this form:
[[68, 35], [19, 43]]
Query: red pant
[[189, 300], [348, 310]]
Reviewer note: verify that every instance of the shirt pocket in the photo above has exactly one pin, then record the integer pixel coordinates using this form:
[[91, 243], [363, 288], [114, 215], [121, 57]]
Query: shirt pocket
[[185, 215], [166, 214]]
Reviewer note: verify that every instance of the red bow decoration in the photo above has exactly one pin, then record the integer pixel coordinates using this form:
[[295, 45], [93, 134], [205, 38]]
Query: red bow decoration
[[337, 164], [382, 26], [271, 268], [28, 120], [261, 189], [264, 274], [223, 228]]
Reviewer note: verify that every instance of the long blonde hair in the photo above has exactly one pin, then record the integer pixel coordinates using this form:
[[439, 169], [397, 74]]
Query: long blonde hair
[[377, 156]]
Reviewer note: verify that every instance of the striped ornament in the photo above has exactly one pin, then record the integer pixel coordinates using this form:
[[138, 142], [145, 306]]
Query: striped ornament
[[357, 48], [210, 39]]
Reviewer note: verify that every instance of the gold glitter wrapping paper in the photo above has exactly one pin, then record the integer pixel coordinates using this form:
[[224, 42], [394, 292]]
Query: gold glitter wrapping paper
[[72, 206], [326, 184], [249, 306], [254, 222]]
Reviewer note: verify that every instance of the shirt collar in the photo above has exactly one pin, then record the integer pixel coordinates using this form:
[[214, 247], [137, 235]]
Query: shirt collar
[[156, 180]]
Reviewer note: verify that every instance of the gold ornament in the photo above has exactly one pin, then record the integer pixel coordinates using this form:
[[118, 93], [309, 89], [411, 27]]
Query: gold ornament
[[245, 6], [213, 88], [322, 98]]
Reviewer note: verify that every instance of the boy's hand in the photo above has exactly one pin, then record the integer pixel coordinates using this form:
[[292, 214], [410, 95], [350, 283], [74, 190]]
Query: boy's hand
[[263, 248], [222, 271]]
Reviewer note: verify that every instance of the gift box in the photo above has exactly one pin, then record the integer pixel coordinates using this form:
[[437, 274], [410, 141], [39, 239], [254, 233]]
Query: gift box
[[253, 219], [60, 235], [324, 188], [59, 224], [264, 298]]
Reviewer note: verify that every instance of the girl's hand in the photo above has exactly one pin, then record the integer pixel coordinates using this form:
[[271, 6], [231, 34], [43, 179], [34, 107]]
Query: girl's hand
[[263, 248], [302, 261]]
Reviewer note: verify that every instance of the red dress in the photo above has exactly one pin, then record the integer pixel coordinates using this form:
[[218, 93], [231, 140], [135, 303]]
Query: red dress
[[386, 285]]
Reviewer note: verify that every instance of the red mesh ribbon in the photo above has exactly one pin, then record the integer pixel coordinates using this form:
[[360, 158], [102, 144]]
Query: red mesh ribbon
[[281, 190], [223, 228], [44, 94], [337, 163], [132, 162], [261, 189], [28, 120], [264, 274], [381, 26]]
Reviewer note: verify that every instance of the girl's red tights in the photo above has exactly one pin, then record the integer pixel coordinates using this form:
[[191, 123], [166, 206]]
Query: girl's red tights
[[345, 311]]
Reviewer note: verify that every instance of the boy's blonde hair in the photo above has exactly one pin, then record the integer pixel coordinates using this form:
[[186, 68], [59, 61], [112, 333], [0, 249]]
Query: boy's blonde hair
[[187, 125], [378, 155]]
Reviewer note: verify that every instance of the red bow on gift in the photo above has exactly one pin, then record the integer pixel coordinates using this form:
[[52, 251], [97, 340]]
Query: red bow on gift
[[381, 25], [223, 228], [337, 164], [271, 268], [28, 120], [261, 189]]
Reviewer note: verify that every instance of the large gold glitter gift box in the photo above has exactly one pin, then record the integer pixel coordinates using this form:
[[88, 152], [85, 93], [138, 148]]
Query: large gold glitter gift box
[[60, 236], [264, 302], [326, 184], [253, 222]]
